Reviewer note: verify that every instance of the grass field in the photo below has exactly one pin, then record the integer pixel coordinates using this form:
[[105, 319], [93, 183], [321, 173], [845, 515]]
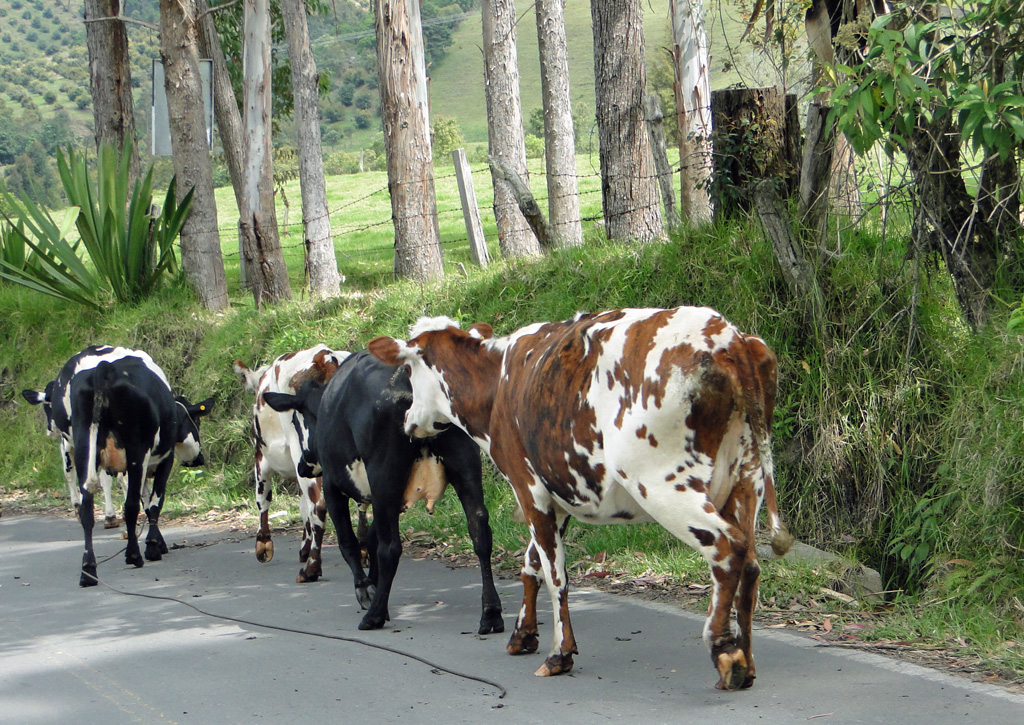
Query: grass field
[[360, 213]]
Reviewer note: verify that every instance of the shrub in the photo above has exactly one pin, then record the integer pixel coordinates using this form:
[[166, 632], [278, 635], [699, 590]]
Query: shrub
[[130, 248]]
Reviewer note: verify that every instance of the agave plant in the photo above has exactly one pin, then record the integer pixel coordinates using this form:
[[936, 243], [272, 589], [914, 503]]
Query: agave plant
[[129, 242]]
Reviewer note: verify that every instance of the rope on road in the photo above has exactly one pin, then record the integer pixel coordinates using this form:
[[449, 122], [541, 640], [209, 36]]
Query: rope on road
[[352, 640]]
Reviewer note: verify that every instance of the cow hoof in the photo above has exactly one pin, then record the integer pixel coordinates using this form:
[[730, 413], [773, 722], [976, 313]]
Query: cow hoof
[[306, 577], [111, 522], [373, 622], [555, 665], [88, 578], [732, 671], [522, 644], [491, 624], [364, 594], [133, 559], [264, 551], [153, 551]]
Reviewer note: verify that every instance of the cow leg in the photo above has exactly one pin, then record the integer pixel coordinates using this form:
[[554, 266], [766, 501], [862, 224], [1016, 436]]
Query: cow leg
[[314, 519], [136, 476], [86, 516], [155, 545], [547, 554], [264, 497], [524, 639], [471, 496], [388, 552], [337, 507], [110, 520], [746, 601]]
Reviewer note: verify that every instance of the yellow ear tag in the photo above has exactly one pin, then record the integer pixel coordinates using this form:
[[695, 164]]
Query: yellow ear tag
[[202, 407]]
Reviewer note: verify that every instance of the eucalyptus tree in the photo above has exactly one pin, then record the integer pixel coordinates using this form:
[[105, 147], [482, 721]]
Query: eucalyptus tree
[[629, 191], [404, 112], [201, 256]]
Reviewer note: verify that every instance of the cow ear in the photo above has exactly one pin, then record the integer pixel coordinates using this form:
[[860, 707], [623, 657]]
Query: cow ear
[[204, 407], [281, 402], [389, 351], [482, 331], [33, 396]]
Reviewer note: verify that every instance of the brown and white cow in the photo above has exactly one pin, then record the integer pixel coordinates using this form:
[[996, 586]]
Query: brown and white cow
[[279, 439], [627, 416]]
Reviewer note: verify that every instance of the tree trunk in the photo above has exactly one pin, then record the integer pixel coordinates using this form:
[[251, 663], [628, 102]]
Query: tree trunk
[[559, 135], [749, 145], [656, 131], [505, 123], [404, 110], [692, 87], [819, 143], [261, 244], [225, 105], [999, 186], [945, 221], [321, 263], [629, 191], [200, 239], [110, 80]]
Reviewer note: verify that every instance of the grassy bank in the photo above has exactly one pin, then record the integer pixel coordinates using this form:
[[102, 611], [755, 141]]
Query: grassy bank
[[899, 436]]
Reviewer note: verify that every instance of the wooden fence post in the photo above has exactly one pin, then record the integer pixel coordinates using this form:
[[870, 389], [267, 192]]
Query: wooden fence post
[[470, 211]]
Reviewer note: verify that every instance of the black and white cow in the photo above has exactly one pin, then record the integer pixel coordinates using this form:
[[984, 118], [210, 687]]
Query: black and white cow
[[356, 440], [42, 397], [116, 408], [278, 439]]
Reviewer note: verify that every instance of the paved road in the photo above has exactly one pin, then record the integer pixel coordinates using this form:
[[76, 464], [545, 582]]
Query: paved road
[[96, 656]]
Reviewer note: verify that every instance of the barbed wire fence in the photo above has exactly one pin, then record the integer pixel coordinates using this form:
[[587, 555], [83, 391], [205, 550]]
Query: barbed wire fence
[[353, 253]]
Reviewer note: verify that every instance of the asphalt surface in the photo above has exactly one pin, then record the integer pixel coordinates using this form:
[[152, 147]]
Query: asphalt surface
[[94, 655]]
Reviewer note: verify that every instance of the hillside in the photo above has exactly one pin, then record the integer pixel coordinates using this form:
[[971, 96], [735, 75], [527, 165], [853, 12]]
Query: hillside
[[44, 82]]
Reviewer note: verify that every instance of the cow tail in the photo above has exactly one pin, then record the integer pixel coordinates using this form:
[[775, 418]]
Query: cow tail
[[102, 381], [759, 402]]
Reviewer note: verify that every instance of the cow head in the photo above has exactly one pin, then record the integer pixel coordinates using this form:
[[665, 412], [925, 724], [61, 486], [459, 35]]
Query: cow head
[[187, 448], [250, 378], [434, 343], [43, 398], [305, 406]]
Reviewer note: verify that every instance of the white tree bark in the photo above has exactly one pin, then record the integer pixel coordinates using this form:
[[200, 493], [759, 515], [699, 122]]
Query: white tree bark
[[261, 244], [404, 108], [693, 108], [505, 124], [559, 136], [200, 240], [321, 262]]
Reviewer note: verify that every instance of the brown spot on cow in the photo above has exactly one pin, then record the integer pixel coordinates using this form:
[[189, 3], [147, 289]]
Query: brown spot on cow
[[643, 490], [652, 441], [715, 326], [641, 432], [670, 477], [706, 538]]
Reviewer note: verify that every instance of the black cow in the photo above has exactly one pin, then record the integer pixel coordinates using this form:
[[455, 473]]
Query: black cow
[[356, 440], [115, 407]]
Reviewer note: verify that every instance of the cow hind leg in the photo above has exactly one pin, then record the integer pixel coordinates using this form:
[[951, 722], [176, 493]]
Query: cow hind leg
[[156, 547], [264, 497], [337, 507], [746, 601], [730, 657], [314, 518], [389, 552], [88, 576]]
